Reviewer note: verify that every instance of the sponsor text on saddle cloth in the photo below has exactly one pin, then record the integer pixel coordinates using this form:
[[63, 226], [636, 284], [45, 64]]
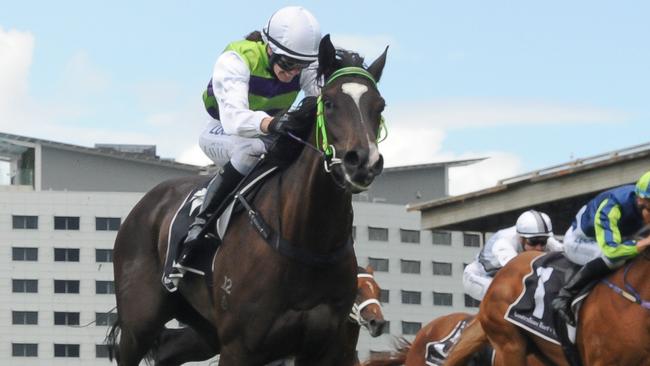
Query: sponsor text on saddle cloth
[[185, 215], [532, 310]]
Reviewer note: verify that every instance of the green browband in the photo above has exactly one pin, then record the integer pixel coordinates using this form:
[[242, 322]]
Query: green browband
[[320, 115]]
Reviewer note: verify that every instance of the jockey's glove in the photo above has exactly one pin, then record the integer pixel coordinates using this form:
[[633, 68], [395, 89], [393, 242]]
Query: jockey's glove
[[283, 123]]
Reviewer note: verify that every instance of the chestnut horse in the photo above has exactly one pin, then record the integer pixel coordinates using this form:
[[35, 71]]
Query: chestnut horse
[[414, 353], [178, 346], [612, 329], [290, 296]]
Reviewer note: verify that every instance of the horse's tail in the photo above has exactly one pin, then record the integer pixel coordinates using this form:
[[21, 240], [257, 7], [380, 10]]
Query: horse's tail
[[469, 343], [396, 358], [111, 341]]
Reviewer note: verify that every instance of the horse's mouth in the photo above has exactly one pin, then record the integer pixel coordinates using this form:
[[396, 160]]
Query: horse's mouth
[[358, 179]]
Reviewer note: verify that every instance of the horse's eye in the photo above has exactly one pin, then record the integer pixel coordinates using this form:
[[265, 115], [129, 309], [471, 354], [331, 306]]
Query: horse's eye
[[328, 104]]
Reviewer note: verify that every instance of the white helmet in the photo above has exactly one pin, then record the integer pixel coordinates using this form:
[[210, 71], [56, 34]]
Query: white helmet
[[533, 223], [293, 31]]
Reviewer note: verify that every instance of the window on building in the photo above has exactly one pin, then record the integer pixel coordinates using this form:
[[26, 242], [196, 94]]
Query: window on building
[[66, 318], [24, 254], [471, 240], [443, 299], [410, 328], [24, 349], [411, 297], [66, 286], [107, 223], [24, 222], [441, 268], [378, 264], [408, 266], [105, 319], [24, 317], [471, 302], [377, 234], [66, 223], [103, 255], [441, 237], [25, 286], [384, 296], [104, 287], [66, 350], [66, 255], [409, 236], [101, 351]]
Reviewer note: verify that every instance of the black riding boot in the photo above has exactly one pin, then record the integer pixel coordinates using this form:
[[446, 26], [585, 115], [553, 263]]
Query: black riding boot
[[221, 185], [562, 303]]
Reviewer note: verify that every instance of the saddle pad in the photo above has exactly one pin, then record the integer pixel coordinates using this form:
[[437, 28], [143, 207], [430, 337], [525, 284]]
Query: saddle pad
[[436, 352], [178, 230], [532, 311], [185, 216]]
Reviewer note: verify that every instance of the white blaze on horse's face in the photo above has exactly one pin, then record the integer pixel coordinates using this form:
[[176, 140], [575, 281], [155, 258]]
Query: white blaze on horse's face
[[355, 91]]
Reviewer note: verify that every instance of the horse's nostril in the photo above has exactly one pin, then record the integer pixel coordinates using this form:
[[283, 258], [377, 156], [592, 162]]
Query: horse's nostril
[[351, 158]]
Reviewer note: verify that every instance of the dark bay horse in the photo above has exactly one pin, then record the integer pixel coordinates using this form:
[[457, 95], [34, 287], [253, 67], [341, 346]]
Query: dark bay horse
[[178, 346], [266, 304], [612, 329]]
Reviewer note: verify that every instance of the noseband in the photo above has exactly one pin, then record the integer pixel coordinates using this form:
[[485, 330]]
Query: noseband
[[355, 314]]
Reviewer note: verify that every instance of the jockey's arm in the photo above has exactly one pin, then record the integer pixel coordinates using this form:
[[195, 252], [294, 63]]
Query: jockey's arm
[[608, 235], [230, 87], [504, 251]]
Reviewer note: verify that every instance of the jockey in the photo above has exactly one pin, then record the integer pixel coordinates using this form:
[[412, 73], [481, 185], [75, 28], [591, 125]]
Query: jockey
[[253, 80], [533, 231], [600, 238]]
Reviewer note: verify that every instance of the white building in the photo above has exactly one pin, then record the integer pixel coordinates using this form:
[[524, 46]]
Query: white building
[[61, 205]]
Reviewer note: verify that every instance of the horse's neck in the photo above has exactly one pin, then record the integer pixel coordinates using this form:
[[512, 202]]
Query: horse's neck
[[315, 212]]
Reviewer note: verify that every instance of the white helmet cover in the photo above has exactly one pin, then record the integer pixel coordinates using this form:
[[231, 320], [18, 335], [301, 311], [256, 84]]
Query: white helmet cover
[[293, 31], [533, 223]]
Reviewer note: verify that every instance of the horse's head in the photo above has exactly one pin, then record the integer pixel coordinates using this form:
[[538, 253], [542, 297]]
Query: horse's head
[[349, 116], [366, 310]]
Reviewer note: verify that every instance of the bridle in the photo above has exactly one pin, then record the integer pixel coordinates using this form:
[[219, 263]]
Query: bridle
[[355, 314], [328, 151]]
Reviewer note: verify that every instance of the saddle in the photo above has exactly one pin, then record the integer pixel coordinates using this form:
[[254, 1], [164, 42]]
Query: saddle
[[217, 225]]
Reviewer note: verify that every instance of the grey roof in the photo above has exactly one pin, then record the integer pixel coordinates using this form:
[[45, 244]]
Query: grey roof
[[102, 152], [450, 163], [556, 171]]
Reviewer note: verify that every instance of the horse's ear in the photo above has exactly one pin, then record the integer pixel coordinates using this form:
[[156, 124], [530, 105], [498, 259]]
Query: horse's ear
[[369, 269], [326, 57], [378, 66]]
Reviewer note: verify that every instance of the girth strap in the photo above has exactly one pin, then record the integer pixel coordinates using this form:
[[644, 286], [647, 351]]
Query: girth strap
[[285, 248]]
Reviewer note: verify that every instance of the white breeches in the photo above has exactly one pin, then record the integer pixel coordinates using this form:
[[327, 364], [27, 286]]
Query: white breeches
[[242, 152], [475, 280]]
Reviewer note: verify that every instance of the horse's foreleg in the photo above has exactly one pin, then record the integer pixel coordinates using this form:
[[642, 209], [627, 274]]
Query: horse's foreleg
[[509, 350], [177, 346]]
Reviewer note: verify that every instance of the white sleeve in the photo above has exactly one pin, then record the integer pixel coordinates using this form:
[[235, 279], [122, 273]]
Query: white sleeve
[[230, 87], [309, 80], [504, 251], [553, 245]]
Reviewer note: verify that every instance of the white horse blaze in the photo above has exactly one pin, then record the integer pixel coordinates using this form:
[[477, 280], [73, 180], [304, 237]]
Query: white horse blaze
[[355, 91]]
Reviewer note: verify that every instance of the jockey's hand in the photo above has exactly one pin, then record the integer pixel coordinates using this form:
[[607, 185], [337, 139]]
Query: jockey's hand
[[283, 123]]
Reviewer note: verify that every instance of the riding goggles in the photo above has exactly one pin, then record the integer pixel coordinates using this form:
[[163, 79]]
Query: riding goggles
[[287, 63], [538, 240]]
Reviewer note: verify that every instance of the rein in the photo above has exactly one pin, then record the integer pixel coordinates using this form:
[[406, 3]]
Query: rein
[[631, 294]]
